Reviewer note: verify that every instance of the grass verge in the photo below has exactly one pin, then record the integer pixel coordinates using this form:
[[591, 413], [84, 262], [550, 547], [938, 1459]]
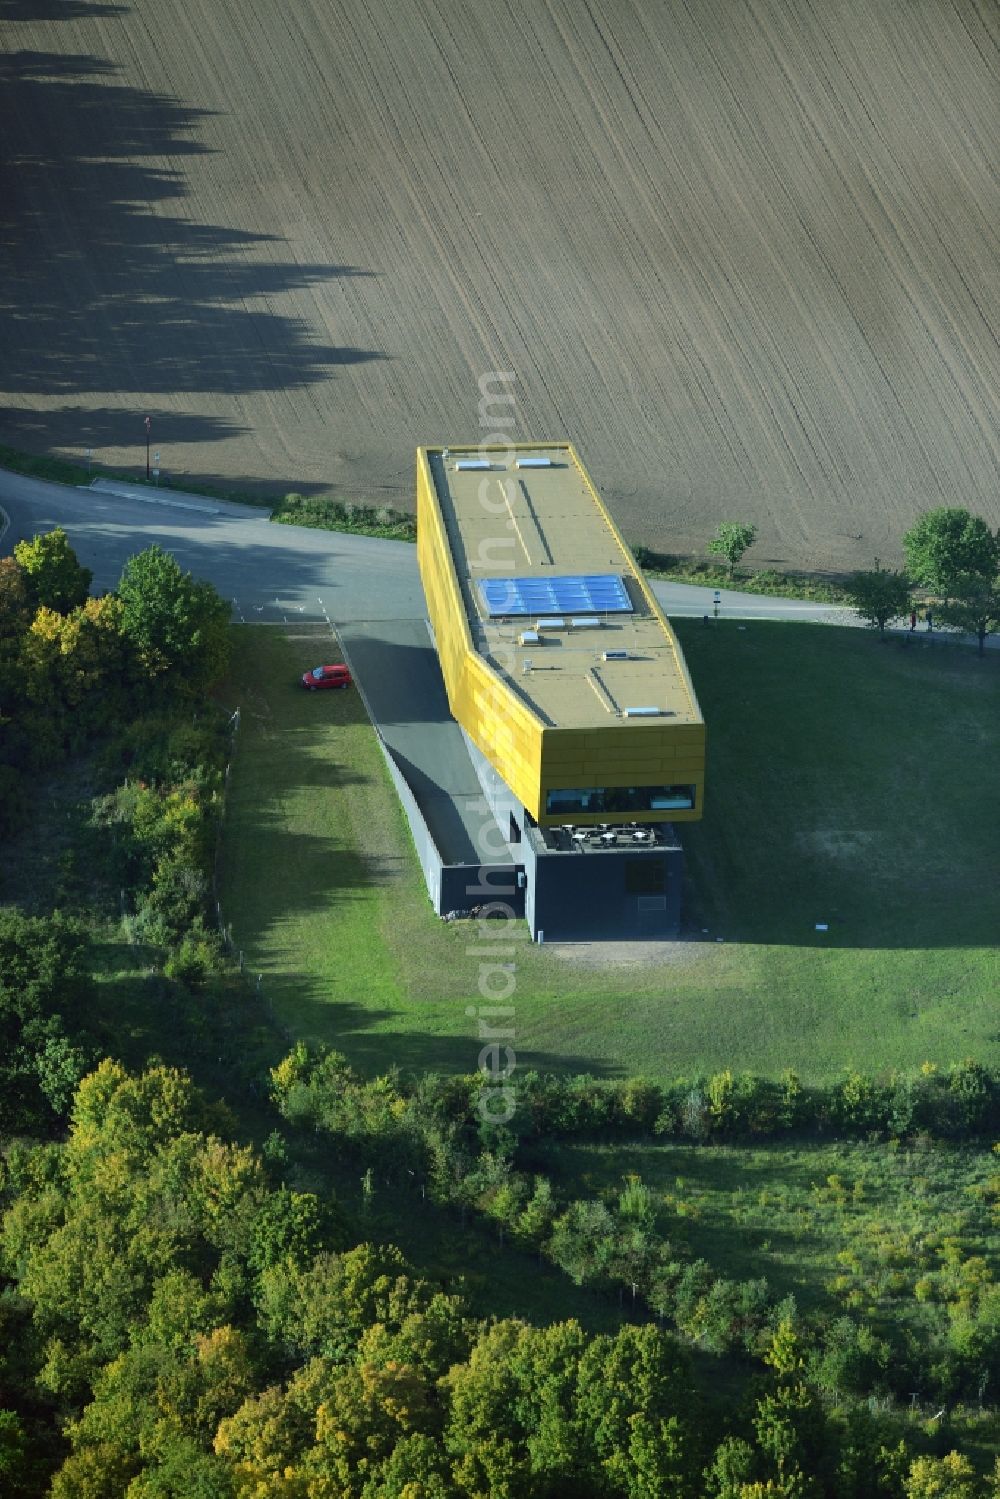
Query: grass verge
[[768, 581], [328, 514]]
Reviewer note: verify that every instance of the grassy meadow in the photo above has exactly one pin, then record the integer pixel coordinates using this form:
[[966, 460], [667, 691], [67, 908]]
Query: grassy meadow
[[843, 1226], [850, 782]]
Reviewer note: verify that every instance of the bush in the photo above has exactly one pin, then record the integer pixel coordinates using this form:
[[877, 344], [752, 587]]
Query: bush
[[850, 1359], [329, 514], [972, 1098], [582, 1242], [197, 958], [159, 750], [696, 1115], [858, 1105]]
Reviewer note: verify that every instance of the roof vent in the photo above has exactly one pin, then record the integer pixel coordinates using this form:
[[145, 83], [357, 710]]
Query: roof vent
[[529, 637], [533, 463], [614, 655], [552, 623], [467, 463], [643, 712], [584, 622]]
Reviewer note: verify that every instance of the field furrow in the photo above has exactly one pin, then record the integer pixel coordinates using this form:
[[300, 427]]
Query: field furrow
[[744, 255]]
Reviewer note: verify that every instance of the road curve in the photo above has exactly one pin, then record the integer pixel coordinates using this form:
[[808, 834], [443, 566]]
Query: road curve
[[272, 572]]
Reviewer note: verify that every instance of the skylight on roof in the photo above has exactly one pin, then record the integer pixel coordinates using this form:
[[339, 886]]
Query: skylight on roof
[[533, 463], [467, 463], [574, 593]]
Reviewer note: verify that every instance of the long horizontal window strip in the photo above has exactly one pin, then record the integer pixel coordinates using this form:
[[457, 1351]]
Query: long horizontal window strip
[[591, 799], [583, 593]]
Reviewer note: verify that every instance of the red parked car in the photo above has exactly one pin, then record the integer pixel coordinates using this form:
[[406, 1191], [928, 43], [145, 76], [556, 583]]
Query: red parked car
[[326, 676]]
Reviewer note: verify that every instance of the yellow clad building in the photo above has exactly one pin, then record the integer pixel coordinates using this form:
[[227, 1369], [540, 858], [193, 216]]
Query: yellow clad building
[[557, 660]]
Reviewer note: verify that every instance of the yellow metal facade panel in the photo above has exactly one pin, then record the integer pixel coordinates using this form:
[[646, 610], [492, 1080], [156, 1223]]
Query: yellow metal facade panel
[[622, 755], [532, 757]]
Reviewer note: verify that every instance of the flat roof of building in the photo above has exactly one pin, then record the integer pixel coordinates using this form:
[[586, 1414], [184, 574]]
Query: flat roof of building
[[529, 514]]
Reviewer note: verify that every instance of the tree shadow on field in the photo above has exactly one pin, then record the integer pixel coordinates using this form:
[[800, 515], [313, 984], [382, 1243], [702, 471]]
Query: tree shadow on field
[[56, 10], [102, 287], [100, 427]]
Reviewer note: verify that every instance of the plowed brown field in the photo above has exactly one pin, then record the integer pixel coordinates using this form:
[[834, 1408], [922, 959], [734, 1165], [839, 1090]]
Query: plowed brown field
[[743, 252]]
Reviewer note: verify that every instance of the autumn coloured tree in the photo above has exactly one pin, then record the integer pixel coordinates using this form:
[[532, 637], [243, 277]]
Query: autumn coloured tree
[[55, 578]]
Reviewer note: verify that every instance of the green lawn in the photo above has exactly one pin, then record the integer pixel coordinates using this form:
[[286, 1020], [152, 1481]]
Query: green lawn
[[850, 782]]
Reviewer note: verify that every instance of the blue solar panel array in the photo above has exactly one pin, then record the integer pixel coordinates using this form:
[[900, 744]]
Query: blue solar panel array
[[578, 593]]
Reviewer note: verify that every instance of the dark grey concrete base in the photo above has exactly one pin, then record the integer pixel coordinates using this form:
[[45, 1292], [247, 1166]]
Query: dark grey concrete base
[[463, 854], [583, 891]]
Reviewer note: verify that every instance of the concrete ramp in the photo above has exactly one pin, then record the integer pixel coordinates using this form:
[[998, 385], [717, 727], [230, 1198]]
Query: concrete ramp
[[396, 668]]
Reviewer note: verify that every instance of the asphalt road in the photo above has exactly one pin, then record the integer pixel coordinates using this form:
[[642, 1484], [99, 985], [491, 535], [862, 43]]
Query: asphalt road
[[269, 572], [278, 572]]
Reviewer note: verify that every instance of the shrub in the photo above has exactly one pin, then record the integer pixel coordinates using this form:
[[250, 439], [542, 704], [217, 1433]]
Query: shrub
[[582, 1241], [850, 1358], [635, 1202], [198, 957], [696, 1115], [858, 1104], [641, 1103], [179, 895], [973, 1098]]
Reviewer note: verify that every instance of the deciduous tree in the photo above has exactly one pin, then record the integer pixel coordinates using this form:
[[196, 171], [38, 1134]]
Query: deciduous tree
[[44, 989], [947, 545], [16, 602], [732, 540], [950, 1477], [175, 623], [974, 606], [54, 576], [879, 596], [74, 663]]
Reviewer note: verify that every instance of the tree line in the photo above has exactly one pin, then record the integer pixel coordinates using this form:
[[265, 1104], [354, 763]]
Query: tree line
[[625, 1242], [951, 555], [178, 1323], [124, 678]]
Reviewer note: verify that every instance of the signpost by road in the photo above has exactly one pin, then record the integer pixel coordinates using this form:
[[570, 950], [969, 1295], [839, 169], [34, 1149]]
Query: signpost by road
[[149, 423]]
